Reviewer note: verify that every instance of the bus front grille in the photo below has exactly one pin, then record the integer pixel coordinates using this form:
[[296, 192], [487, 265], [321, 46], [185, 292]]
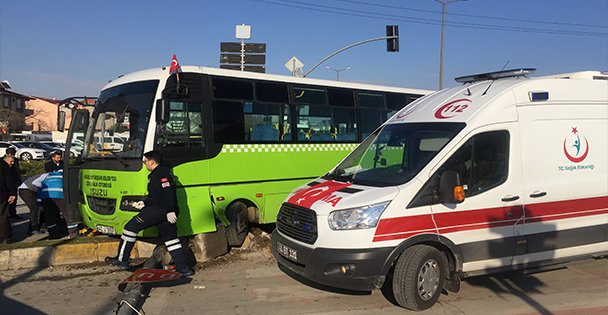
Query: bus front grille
[[298, 223], [105, 206]]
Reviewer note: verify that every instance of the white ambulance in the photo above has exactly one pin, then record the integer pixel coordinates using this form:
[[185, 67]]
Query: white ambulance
[[504, 172]]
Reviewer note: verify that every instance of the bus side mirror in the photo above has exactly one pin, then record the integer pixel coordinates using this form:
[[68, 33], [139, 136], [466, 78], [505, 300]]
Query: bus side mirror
[[450, 188], [162, 111], [61, 121]]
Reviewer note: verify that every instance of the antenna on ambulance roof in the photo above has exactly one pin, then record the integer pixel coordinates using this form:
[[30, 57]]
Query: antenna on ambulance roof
[[503, 69], [512, 73]]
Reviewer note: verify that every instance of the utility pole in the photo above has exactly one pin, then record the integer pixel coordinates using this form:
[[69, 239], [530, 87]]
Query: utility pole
[[338, 71], [444, 3]]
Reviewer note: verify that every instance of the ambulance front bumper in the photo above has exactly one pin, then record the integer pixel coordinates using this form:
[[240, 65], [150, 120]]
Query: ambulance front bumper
[[351, 269]]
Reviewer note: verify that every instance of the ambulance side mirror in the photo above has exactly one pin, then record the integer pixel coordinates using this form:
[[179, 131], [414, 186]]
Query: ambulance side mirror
[[450, 188]]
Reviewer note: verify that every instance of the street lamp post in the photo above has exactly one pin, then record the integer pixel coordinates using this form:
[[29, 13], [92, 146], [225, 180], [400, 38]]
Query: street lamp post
[[444, 3], [338, 71]]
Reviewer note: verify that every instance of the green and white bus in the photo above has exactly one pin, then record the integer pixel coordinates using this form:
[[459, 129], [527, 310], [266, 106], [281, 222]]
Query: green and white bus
[[238, 143]]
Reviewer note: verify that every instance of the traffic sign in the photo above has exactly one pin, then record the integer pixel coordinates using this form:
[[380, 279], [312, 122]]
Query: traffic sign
[[249, 59], [260, 69], [231, 47], [294, 64], [243, 31]]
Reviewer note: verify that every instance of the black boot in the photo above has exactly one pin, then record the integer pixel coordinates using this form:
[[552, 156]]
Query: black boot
[[113, 261], [184, 270]]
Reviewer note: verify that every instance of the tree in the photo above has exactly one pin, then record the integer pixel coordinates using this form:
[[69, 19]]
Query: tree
[[16, 121]]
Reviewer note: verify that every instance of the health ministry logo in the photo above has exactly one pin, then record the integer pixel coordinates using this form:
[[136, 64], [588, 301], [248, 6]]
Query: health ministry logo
[[574, 149]]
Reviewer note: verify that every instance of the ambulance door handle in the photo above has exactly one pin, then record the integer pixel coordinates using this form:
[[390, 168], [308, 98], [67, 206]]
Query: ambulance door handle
[[509, 198], [538, 194]]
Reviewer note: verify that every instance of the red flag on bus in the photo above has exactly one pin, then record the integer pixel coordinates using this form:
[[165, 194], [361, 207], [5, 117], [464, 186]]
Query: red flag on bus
[[174, 65]]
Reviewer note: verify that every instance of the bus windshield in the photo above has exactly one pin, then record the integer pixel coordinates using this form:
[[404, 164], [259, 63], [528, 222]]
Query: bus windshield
[[394, 154], [119, 122]]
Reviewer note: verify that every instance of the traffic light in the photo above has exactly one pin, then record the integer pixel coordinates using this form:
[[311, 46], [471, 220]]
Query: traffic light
[[392, 44]]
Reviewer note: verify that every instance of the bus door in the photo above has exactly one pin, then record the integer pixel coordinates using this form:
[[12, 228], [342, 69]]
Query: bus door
[[74, 147]]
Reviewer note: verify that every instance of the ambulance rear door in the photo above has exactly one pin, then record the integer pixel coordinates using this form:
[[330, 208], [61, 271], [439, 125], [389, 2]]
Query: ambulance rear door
[[564, 156]]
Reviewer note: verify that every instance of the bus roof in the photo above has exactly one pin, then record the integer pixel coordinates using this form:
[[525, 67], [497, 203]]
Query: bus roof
[[163, 74]]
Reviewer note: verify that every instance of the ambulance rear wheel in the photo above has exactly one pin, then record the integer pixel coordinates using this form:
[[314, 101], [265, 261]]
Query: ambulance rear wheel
[[237, 231], [418, 277]]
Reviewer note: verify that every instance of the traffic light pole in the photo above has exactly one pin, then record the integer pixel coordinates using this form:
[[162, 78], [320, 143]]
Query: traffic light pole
[[348, 47]]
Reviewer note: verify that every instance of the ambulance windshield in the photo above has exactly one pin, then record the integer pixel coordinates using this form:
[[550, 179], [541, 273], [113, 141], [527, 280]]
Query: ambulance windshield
[[394, 154]]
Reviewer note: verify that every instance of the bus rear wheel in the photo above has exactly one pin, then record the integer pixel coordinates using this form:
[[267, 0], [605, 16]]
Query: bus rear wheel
[[237, 231], [418, 277]]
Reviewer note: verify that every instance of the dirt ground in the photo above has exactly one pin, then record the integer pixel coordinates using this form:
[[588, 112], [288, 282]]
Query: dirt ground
[[248, 281]]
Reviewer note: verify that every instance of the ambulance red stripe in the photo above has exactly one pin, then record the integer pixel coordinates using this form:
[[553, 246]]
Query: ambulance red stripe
[[404, 227]]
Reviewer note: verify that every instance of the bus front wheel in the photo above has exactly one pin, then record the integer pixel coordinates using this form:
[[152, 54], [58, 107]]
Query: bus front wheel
[[237, 231]]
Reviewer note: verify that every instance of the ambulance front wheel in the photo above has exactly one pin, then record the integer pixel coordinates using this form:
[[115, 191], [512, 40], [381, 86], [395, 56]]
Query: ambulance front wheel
[[418, 277], [237, 231]]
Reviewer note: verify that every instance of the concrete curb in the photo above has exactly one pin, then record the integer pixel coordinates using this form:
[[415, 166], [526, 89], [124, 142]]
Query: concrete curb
[[66, 254]]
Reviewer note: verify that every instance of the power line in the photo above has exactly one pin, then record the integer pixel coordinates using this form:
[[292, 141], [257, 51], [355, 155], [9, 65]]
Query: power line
[[472, 15], [402, 18]]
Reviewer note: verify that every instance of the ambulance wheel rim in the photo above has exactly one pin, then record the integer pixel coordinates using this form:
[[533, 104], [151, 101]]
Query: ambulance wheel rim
[[428, 279]]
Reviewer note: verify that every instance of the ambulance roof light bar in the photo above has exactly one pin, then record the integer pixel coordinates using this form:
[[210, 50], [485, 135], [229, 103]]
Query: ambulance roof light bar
[[495, 75]]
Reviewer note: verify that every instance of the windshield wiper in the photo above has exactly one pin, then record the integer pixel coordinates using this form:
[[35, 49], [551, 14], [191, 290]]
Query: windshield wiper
[[119, 159]]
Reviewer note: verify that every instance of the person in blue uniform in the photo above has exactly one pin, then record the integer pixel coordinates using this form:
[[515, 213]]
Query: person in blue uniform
[[158, 209], [49, 193]]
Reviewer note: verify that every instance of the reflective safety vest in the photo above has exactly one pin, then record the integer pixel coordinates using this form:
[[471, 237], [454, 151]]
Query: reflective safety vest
[[52, 186]]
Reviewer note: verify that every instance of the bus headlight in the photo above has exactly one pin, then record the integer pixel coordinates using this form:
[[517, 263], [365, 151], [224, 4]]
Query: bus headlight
[[357, 218], [128, 202]]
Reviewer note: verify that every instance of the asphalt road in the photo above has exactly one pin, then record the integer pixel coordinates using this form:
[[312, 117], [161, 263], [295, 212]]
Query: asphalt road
[[249, 282]]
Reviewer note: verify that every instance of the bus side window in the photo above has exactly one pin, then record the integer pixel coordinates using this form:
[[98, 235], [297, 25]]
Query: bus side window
[[370, 120], [185, 125], [395, 102], [344, 120], [262, 122], [232, 88], [345, 124], [314, 123], [372, 111], [268, 119], [228, 122]]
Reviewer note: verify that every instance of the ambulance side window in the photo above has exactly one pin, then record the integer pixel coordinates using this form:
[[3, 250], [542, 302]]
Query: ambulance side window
[[482, 164]]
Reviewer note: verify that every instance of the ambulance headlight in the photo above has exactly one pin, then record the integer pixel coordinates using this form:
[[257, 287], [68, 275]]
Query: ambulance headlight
[[357, 218]]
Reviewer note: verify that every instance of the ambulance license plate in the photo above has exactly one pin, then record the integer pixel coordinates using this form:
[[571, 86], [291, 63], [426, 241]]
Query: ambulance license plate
[[105, 229], [287, 252]]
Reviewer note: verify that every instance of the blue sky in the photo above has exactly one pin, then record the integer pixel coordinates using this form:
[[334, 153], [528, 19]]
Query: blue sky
[[67, 48]]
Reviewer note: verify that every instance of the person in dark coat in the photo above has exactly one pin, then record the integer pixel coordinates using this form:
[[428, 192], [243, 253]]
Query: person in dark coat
[[55, 164], [15, 172], [8, 195], [159, 209]]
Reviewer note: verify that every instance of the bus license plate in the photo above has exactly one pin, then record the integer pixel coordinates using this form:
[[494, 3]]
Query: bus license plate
[[105, 229], [287, 252]]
